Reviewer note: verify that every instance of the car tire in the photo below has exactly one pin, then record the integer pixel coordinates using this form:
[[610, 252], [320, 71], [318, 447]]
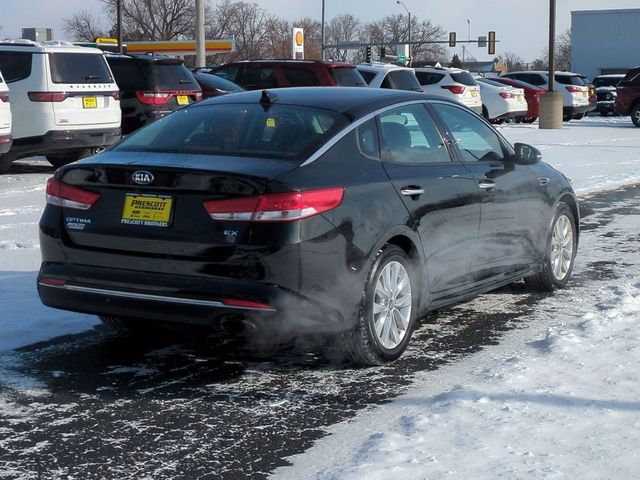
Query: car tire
[[580, 116], [485, 113], [5, 163], [387, 312], [560, 253], [635, 114], [604, 114], [530, 120]]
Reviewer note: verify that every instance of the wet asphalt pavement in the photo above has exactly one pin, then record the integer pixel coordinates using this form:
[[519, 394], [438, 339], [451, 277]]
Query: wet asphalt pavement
[[97, 406]]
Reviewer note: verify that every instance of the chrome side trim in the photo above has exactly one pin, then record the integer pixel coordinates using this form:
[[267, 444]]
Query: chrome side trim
[[352, 126], [151, 297]]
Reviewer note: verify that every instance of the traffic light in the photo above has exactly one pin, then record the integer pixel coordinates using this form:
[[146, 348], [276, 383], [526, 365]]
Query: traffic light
[[367, 54], [492, 43], [452, 39], [383, 52]]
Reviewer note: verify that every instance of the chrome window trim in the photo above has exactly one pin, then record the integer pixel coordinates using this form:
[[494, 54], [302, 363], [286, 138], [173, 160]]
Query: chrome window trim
[[151, 297], [351, 127]]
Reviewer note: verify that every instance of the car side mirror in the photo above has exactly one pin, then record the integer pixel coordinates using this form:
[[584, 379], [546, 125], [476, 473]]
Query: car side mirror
[[526, 154]]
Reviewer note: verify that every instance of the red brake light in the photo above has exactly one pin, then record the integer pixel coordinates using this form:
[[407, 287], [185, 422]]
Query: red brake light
[[457, 89], [4, 97], [506, 95], [153, 98], [62, 195], [574, 89], [236, 302], [276, 207], [47, 96], [198, 96]]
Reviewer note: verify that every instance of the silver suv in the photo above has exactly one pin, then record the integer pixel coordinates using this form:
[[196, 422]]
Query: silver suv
[[451, 83]]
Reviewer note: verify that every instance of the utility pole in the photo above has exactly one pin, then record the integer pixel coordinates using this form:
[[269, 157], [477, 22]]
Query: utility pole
[[322, 42], [552, 44], [201, 60], [119, 25]]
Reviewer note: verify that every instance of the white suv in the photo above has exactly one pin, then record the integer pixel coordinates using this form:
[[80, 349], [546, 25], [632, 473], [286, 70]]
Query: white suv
[[451, 83], [386, 75], [5, 119], [575, 92], [64, 99]]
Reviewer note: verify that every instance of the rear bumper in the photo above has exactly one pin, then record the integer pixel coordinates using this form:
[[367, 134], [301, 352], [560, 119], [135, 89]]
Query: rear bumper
[[5, 143], [512, 114], [182, 299], [605, 106], [60, 141], [573, 110]]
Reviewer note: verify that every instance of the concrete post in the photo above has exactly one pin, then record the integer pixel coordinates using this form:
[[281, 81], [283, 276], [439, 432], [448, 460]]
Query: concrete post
[[550, 110]]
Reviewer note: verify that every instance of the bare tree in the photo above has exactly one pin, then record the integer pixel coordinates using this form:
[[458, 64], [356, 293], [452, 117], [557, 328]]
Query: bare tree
[[513, 62], [344, 28], [83, 26], [562, 50]]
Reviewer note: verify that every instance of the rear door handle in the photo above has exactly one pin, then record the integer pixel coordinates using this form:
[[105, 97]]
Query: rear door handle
[[486, 184], [411, 190]]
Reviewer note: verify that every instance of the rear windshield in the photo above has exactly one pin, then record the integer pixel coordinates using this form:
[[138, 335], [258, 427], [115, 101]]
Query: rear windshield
[[606, 81], [214, 81], [494, 83], [347, 77], [79, 68], [464, 78], [280, 131], [570, 80], [632, 77], [429, 78], [169, 76], [401, 80]]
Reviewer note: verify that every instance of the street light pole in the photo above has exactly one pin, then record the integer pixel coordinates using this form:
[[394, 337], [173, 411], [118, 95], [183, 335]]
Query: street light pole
[[322, 34], [552, 43], [119, 25], [400, 2], [200, 36]]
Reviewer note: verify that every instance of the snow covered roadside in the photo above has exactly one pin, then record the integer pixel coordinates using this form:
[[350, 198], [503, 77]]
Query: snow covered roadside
[[558, 399]]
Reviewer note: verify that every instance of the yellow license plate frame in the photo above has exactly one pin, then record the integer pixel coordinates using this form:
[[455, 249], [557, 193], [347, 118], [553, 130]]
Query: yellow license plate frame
[[147, 210], [182, 99], [474, 93], [89, 102]]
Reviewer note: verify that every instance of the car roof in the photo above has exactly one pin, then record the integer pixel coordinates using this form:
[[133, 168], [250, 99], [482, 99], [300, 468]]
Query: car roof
[[544, 72], [380, 66], [353, 102], [290, 61], [440, 69], [611, 75], [50, 46], [146, 57]]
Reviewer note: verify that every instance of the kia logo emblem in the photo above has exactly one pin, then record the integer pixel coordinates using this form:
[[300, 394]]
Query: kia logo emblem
[[142, 177]]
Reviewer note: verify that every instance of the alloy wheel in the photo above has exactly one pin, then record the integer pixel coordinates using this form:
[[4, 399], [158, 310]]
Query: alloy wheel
[[392, 305], [562, 247]]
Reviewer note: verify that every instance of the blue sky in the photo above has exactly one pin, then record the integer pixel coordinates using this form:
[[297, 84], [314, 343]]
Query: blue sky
[[520, 25]]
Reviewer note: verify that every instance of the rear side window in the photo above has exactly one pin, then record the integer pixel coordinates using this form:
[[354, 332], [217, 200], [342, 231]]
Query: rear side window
[[347, 77], [300, 77], [228, 72], [429, 78], [532, 79], [368, 76], [79, 68], [464, 78], [257, 77], [127, 74], [15, 65], [169, 76], [401, 80], [631, 78], [286, 132], [570, 80]]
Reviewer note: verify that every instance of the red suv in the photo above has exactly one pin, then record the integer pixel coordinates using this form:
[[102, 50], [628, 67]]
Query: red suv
[[628, 96], [257, 74]]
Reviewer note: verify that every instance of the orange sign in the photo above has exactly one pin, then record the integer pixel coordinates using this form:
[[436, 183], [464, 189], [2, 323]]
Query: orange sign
[[299, 38]]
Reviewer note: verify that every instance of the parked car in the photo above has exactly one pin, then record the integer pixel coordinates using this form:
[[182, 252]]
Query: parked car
[[531, 95], [341, 211], [575, 93], [261, 74], [451, 83], [386, 75], [606, 92], [212, 85], [501, 102], [64, 100], [628, 96], [5, 119], [151, 85]]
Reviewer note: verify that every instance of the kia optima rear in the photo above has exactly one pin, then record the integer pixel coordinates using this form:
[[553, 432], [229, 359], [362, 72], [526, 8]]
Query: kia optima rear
[[341, 211]]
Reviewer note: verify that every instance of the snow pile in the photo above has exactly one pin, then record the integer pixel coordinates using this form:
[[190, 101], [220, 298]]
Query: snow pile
[[540, 412]]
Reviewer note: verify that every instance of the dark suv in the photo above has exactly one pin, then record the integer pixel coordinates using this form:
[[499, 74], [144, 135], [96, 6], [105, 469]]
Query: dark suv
[[151, 86], [628, 96], [257, 74]]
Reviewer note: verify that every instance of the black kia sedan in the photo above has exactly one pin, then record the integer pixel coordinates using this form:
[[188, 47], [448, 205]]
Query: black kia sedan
[[340, 211]]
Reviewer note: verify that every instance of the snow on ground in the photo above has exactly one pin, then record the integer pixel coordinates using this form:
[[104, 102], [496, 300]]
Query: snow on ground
[[558, 399]]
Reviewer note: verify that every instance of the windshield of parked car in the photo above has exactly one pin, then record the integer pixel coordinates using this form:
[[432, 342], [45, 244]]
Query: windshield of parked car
[[464, 78], [278, 131], [79, 68], [570, 80], [606, 81]]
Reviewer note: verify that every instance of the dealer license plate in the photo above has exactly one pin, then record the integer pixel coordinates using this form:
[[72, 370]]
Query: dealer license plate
[[147, 210], [519, 98], [89, 102], [474, 93], [182, 100]]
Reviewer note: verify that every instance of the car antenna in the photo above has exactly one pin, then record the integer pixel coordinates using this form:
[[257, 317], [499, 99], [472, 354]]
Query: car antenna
[[267, 98]]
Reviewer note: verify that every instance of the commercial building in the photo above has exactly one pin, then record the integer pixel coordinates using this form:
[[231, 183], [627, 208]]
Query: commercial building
[[605, 41]]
